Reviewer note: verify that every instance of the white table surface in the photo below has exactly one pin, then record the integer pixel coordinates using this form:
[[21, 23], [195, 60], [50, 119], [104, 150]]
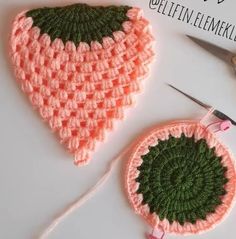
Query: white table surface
[[37, 176]]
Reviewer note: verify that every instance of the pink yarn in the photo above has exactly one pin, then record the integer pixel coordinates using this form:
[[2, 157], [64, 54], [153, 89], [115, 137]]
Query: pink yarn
[[151, 237], [162, 132], [83, 199], [175, 128], [81, 91]]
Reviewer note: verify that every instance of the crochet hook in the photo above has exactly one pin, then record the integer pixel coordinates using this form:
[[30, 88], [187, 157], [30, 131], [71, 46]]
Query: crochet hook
[[217, 113]]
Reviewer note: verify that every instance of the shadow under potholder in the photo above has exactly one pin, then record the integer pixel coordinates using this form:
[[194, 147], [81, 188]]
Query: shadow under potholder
[[81, 66]]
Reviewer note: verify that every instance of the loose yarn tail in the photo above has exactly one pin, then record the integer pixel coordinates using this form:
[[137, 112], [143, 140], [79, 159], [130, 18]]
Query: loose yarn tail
[[84, 198], [154, 235], [222, 125], [207, 115]]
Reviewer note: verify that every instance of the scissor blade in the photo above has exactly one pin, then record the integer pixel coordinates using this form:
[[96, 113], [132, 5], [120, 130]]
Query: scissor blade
[[217, 51], [191, 98]]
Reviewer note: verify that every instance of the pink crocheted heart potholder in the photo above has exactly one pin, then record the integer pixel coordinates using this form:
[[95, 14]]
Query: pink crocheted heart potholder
[[80, 67]]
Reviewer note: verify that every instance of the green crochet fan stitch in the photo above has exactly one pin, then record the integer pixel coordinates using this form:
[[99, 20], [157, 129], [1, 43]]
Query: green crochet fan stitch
[[79, 22], [182, 179]]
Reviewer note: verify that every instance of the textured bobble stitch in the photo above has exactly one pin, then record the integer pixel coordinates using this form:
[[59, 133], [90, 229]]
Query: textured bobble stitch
[[78, 65]]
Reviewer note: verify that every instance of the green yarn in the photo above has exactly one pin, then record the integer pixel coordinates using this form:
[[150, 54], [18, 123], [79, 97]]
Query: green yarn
[[79, 22], [182, 179]]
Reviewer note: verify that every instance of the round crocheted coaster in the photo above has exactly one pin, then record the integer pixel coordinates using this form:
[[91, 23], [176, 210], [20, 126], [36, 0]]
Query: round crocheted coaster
[[81, 66], [181, 179]]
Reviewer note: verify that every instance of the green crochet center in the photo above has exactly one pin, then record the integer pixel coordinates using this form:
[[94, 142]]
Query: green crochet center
[[79, 22], [182, 179]]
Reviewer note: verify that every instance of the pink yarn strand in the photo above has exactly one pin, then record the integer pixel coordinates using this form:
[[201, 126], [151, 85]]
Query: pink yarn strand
[[208, 114], [84, 198]]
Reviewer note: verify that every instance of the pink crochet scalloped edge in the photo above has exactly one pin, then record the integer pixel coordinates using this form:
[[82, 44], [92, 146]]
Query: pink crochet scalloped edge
[[175, 129]]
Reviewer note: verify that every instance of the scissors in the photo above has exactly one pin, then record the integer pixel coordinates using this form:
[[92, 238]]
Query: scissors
[[220, 115], [223, 54]]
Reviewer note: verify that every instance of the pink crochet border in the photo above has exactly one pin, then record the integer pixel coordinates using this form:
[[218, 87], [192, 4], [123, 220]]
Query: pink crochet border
[[175, 129]]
